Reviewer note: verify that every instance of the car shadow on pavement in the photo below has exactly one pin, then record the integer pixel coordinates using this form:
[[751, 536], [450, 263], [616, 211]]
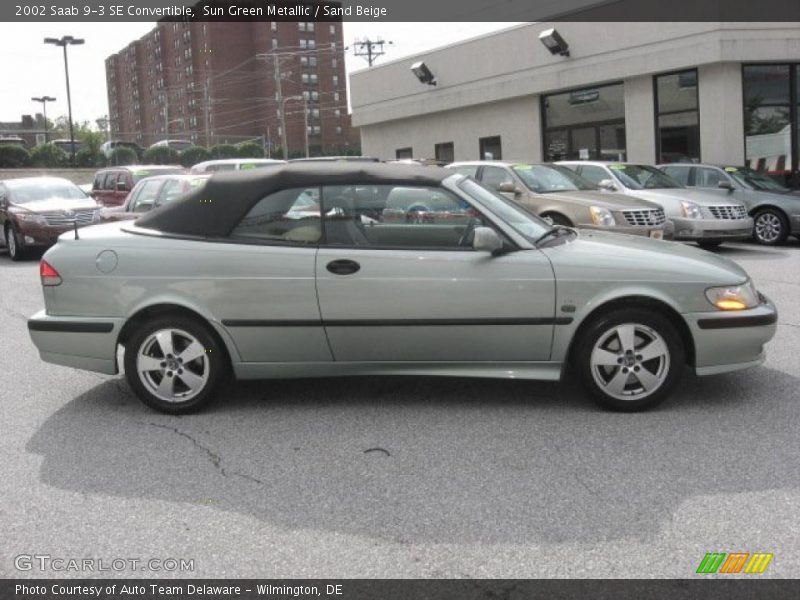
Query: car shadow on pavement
[[428, 460]]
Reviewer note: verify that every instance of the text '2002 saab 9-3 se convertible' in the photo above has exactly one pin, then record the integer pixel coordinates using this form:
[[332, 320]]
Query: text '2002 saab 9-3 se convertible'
[[322, 270]]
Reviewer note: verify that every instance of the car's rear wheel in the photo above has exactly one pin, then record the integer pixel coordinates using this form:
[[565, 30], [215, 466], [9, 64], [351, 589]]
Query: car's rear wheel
[[174, 364], [15, 247], [770, 227], [629, 360]]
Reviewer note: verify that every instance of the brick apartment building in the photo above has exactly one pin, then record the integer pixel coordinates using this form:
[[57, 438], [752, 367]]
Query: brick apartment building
[[216, 82]]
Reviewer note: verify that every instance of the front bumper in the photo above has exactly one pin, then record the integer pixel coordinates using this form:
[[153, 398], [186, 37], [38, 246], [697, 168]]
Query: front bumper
[[79, 342], [727, 341], [712, 229], [42, 235], [665, 231]]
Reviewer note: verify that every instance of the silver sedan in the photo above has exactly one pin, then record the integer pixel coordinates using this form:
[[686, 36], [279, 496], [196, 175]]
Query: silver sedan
[[307, 271]]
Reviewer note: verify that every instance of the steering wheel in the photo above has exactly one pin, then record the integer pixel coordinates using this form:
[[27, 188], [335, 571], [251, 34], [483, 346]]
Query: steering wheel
[[468, 231]]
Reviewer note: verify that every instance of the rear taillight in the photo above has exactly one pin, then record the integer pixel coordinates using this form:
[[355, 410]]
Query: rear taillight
[[49, 275]]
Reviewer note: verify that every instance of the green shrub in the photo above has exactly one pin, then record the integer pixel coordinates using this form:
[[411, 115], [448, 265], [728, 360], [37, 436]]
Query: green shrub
[[161, 155], [13, 156], [250, 150], [193, 155], [87, 158], [123, 156], [224, 151], [49, 156]]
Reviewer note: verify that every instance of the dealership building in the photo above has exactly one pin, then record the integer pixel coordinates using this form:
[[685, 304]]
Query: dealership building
[[648, 92]]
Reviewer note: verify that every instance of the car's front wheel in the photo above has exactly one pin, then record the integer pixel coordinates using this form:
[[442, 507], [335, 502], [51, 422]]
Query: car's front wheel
[[174, 364], [629, 360], [16, 251], [770, 227]]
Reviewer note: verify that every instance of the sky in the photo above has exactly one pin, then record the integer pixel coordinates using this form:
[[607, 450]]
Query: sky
[[30, 68]]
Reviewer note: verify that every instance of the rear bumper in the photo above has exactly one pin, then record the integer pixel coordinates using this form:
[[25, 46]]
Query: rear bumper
[[712, 229], [730, 341], [79, 342]]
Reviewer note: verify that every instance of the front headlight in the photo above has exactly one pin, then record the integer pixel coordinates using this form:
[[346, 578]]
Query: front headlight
[[734, 297], [691, 210], [602, 216], [31, 218]]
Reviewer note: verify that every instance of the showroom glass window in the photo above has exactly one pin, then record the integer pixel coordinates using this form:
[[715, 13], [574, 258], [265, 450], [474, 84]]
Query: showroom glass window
[[585, 124], [490, 148], [771, 119], [403, 153], [677, 117]]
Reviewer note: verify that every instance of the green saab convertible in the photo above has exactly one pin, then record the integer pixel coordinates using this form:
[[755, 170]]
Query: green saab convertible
[[318, 270]]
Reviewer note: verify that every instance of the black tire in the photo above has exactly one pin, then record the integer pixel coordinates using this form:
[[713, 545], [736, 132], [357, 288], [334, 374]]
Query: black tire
[[14, 245], [666, 373], [710, 245], [559, 220], [211, 365], [773, 225]]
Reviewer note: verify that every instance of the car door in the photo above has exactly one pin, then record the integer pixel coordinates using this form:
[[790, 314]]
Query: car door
[[267, 298], [415, 290]]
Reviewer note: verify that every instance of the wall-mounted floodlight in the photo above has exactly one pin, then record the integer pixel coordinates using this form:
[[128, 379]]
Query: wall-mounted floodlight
[[554, 42], [423, 73]]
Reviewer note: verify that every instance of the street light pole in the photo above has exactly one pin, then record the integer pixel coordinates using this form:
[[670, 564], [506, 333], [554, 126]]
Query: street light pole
[[305, 117], [44, 100], [65, 41]]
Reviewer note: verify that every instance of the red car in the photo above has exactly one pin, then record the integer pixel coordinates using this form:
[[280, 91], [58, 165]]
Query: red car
[[152, 192], [34, 211], [112, 185]]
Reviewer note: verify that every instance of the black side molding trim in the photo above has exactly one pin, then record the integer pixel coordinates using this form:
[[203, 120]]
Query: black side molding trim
[[733, 322], [398, 322], [70, 326]]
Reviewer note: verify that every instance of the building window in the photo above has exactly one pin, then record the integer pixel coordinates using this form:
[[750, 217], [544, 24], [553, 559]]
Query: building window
[[335, 96], [332, 30], [677, 117], [444, 152], [771, 110], [401, 153], [301, 26], [335, 80], [585, 124], [274, 43], [273, 26], [338, 130], [490, 148]]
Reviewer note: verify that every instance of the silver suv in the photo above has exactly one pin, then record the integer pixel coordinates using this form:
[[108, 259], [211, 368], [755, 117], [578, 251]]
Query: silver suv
[[698, 216]]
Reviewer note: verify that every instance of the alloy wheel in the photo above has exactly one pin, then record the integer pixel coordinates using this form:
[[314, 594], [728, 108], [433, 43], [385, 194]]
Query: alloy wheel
[[630, 361], [173, 365], [768, 227]]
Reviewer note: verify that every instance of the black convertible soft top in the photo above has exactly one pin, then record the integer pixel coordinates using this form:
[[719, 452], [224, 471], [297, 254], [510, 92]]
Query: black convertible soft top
[[215, 209]]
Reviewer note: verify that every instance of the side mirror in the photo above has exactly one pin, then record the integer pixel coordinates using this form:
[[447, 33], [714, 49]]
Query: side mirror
[[508, 187], [725, 185], [485, 239], [607, 184], [3, 202]]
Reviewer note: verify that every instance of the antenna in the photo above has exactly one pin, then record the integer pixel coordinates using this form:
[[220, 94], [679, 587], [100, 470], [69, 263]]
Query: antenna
[[75, 227]]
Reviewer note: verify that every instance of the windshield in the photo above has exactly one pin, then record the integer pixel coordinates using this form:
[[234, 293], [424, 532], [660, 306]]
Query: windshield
[[527, 224], [22, 193], [755, 180], [642, 177], [546, 179]]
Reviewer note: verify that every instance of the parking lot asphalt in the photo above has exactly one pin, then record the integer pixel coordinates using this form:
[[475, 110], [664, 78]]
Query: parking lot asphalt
[[403, 477]]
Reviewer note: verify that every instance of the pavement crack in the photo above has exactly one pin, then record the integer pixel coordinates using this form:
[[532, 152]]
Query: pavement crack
[[214, 458]]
